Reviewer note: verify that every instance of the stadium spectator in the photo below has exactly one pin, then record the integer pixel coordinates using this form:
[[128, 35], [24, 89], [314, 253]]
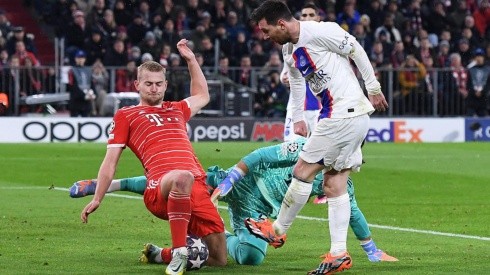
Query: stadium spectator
[[23, 54], [169, 35], [457, 17], [81, 89], [233, 27], [4, 58], [107, 26], [178, 79], [150, 45], [442, 59], [218, 12], [398, 55], [452, 88], [464, 51], [243, 77], [100, 79], [376, 14], [136, 30], [225, 44], [238, 48], [224, 68], [241, 11], [173, 182], [398, 18], [20, 35], [122, 15], [258, 55], [135, 55], [125, 78], [76, 33], [425, 51], [95, 47], [166, 10], [482, 19], [192, 11], [478, 85], [182, 22], [116, 55], [438, 19], [207, 51], [388, 28], [5, 25], [412, 81], [96, 13], [273, 64], [378, 55], [143, 8], [363, 38], [413, 17], [276, 96], [349, 16]]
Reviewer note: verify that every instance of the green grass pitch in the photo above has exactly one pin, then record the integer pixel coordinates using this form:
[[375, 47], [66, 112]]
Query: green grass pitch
[[428, 204]]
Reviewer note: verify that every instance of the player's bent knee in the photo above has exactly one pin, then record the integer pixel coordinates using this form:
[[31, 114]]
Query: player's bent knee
[[248, 254], [180, 180]]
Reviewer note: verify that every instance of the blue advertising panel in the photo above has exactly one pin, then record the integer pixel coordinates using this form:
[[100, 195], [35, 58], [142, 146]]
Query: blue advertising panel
[[477, 129]]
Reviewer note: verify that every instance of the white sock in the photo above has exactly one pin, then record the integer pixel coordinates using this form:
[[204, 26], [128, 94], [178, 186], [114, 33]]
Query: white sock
[[294, 200], [338, 221]]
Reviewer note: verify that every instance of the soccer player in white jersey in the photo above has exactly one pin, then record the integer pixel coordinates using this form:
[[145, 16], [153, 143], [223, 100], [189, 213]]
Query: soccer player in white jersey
[[320, 53], [312, 105]]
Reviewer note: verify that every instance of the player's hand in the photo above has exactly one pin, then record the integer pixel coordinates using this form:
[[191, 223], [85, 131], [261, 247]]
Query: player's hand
[[89, 209], [379, 102], [184, 51], [226, 185], [300, 128]]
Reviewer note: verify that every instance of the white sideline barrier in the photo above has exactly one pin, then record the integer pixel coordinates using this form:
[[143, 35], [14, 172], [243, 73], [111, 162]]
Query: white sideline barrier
[[67, 129]]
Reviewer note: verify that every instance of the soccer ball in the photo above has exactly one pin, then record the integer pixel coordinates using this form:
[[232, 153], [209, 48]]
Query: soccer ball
[[198, 252]]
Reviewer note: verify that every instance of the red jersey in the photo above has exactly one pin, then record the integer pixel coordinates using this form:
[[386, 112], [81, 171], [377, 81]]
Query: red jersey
[[158, 137]]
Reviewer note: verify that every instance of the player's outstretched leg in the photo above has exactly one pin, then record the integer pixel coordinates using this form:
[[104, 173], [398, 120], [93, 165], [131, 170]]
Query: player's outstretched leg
[[263, 229], [83, 188], [331, 264]]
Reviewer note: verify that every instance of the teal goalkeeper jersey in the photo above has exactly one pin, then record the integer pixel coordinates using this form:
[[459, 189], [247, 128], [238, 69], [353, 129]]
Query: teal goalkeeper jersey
[[262, 190]]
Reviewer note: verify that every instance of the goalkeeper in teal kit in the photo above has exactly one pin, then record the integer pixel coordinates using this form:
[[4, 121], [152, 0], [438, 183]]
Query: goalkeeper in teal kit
[[262, 177]]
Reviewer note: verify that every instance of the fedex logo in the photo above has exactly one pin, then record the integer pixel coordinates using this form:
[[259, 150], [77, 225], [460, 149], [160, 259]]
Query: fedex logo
[[397, 132]]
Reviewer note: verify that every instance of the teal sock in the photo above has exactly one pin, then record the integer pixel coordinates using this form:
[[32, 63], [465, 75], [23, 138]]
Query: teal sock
[[369, 247], [135, 185]]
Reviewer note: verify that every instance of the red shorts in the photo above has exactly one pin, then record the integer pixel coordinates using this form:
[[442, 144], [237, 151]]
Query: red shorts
[[205, 218]]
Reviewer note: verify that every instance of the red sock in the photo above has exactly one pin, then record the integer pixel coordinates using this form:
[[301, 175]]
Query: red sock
[[166, 255], [179, 213]]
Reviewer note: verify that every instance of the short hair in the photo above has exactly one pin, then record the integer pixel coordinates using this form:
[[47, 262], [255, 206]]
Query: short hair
[[310, 5], [271, 11], [151, 66]]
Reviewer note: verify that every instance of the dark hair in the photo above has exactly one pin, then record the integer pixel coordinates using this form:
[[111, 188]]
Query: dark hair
[[271, 11], [310, 5]]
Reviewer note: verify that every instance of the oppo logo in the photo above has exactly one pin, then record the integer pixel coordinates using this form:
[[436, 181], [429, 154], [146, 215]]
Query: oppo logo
[[65, 131]]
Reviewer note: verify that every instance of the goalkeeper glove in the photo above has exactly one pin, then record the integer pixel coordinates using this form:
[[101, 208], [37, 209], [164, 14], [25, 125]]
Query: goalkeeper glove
[[227, 184]]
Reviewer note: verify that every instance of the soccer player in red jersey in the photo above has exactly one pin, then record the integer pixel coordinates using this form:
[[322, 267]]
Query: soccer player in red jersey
[[155, 130]]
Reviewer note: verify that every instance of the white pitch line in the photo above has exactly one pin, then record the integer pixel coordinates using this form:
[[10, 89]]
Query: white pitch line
[[430, 232]]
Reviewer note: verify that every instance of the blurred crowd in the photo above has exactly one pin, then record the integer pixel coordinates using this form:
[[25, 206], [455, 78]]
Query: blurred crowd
[[411, 37]]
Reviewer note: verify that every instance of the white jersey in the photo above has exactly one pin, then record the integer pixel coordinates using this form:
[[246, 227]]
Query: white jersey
[[321, 57]]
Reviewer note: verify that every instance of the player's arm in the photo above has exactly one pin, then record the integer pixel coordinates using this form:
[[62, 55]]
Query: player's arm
[[297, 93], [280, 154], [104, 179], [337, 40], [199, 86]]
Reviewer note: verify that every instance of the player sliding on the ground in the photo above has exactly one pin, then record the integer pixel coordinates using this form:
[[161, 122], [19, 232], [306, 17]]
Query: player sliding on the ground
[[260, 181]]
